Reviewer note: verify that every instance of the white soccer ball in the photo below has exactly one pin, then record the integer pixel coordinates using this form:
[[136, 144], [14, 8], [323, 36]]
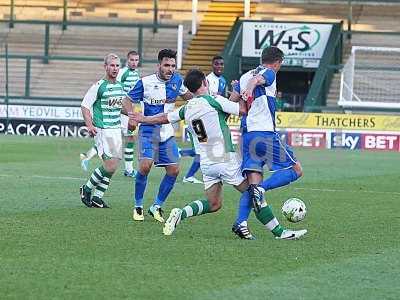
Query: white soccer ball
[[294, 210]]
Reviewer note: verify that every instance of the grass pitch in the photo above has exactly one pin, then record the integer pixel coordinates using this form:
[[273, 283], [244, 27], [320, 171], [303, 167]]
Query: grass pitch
[[51, 246]]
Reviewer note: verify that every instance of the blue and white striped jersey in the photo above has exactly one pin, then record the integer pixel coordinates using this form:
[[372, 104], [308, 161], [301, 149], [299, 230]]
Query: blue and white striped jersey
[[261, 115], [158, 96], [216, 85]]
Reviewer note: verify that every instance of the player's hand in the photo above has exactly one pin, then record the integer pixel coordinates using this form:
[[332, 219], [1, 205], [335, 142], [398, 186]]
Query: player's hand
[[246, 95], [92, 130], [132, 125], [136, 117]]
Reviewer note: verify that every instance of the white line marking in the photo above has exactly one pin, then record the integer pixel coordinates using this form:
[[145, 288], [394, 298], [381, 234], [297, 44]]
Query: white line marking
[[347, 191], [296, 188], [62, 178], [44, 177]]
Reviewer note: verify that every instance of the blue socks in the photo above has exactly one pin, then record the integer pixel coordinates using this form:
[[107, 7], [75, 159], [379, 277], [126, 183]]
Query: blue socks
[[140, 186], [244, 209], [194, 167], [279, 178], [187, 152], [166, 186]]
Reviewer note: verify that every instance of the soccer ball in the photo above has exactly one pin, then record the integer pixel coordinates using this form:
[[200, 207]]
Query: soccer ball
[[294, 210]]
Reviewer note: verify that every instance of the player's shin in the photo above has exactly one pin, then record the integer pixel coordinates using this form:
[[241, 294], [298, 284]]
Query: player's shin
[[102, 186], [267, 218], [140, 187], [166, 186], [244, 208], [196, 208], [95, 178], [128, 156]]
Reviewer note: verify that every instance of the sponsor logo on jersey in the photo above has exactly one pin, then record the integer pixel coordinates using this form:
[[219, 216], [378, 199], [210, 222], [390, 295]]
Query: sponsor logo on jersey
[[153, 101], [115, 101]]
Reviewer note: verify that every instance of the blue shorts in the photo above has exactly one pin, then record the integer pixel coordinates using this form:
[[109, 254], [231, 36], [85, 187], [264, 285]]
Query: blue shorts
[[262, 148], [162, 153]]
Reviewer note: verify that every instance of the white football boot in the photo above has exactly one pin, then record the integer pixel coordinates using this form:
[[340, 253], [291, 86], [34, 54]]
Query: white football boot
[[173, 220]]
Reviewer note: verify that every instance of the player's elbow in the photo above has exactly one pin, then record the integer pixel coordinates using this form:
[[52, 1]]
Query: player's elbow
[[85, 110]]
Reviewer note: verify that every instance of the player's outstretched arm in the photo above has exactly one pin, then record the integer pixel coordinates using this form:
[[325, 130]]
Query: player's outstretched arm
[[156, 119]]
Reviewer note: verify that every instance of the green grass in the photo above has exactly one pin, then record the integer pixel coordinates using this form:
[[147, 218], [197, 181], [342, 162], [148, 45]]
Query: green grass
[[53, 247]]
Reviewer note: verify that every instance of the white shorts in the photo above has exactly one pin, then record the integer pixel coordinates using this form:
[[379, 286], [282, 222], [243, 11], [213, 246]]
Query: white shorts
[[124, 126], [109, 142], [227, 171]]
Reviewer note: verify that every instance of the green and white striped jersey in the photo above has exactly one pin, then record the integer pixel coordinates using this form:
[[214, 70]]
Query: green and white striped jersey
[[206, 119], [128, 78], [104, 100]]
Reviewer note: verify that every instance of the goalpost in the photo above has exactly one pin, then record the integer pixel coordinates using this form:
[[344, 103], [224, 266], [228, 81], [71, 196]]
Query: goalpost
[[371, 78]]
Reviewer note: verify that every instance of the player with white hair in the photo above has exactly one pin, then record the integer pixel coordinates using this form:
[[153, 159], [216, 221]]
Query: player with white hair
[[101, 110]]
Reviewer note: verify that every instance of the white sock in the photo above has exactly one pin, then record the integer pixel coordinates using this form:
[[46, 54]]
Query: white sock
[[128, 166], [91, 153]]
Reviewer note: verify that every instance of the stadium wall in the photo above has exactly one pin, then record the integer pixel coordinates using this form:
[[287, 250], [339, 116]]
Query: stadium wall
[[35, 120], [307, 130], [332, 131]]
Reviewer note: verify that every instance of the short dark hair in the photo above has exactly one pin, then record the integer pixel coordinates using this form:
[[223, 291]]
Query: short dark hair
[[132, 52], [194, 79], [271, 55], [169, 53], [217, 57]]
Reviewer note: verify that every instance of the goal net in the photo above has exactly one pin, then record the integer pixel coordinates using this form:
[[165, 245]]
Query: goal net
[[371, 78]]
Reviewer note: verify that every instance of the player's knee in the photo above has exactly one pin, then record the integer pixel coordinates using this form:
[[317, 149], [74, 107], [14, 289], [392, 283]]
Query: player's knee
[[111, 165], [144, 167], [173, 171], [215, 204], [144, 171]]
